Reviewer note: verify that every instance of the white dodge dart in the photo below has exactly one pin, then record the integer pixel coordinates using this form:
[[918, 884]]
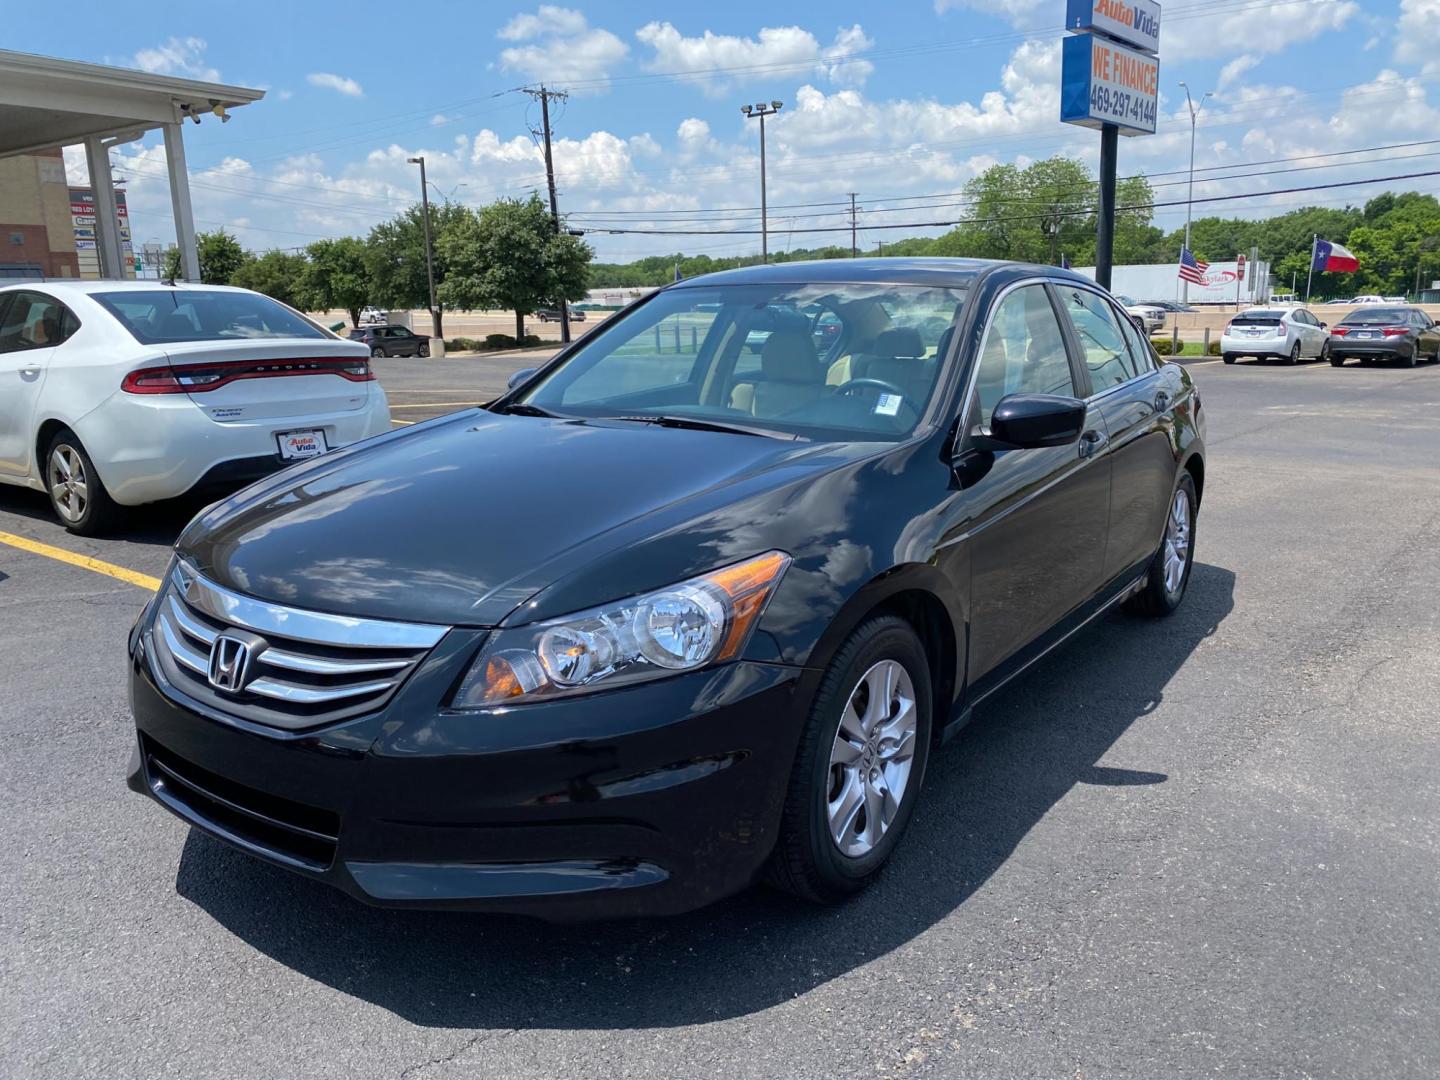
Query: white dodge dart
[[118, 393]]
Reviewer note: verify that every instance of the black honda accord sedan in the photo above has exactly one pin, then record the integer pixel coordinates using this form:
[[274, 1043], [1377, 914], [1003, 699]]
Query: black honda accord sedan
[[688, 607]]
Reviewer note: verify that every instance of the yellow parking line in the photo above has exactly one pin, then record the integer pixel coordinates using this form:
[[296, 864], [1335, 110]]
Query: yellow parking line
[[120, 573], [436, 404]]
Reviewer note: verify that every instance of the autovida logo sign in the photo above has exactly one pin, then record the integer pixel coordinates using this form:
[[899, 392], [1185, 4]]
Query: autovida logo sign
[[1134, 22]]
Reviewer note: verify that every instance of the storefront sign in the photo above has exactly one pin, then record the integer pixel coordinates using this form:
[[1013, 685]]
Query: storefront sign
[[1105, 83], [1135, 22]]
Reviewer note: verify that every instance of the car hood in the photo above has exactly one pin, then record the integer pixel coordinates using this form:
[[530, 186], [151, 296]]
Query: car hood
[[461, 520]]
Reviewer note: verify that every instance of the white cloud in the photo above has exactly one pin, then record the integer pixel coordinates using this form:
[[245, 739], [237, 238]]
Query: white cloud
[[1272, 28], [1416, 34], [183, 57], [439, 120], [1023, 13], [339, 83], [561, 47], [716, 61], [1235, 68]]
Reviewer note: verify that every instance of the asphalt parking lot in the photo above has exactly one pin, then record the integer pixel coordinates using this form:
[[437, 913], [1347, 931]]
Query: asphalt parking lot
[[1192, 848]]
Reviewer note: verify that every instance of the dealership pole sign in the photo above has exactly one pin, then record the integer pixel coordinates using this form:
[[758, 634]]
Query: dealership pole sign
[[1110, 79]]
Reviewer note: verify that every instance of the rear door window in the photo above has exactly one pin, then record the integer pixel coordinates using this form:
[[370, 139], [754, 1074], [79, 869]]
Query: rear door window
[[31, 321], [1107, 355]]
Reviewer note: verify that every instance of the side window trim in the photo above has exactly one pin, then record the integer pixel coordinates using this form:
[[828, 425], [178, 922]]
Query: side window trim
[[1079, 373], [972, 377]]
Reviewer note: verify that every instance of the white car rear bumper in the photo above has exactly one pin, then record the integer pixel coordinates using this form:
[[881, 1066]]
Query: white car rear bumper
[[148, 448]]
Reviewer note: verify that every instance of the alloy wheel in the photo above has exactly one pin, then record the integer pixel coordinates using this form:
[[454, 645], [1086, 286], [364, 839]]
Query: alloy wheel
[[1177, 542], [871, 758], [69, 486]]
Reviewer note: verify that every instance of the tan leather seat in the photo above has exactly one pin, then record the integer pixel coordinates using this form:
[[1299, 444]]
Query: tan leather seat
[[790, 376]]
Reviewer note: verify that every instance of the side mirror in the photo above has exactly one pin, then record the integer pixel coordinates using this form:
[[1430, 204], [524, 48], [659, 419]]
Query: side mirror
[[1324, 326], [1030, 421], [519, 377]]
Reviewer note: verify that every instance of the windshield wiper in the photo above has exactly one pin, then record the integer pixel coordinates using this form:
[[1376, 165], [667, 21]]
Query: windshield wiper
[[693, 423], [524, 408]]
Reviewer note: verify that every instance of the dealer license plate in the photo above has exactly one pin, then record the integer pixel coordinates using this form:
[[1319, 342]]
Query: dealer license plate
[[301, 444]]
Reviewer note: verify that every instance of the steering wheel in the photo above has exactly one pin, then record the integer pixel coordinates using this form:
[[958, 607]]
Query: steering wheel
[[869, 384]]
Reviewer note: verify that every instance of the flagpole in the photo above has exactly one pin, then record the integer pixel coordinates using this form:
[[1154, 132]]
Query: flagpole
[[1310, 277]]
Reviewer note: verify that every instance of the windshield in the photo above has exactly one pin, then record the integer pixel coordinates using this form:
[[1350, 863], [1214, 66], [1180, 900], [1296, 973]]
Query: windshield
[[823, 361], [163, 316], [1378, 317]]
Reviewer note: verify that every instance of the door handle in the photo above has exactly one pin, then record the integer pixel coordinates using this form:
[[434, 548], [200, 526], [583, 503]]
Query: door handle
[[1091, 442], [30, 371]]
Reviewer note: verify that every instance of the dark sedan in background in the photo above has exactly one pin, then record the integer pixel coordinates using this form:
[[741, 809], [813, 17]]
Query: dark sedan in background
[[391, 340], [1400, 335], [686, 608]]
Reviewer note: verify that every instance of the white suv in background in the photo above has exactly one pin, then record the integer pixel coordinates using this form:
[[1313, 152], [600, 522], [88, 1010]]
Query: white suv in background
[[118, 393], [1291, 333]]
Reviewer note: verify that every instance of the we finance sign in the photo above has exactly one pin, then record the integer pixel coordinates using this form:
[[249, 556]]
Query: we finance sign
[[1105, 83], [1134, 22]]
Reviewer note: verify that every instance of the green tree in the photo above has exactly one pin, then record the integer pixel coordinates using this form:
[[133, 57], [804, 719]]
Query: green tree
[[279, 274], [337, 276], [220, 256], [508, 255], [171, 267], [395, 258]]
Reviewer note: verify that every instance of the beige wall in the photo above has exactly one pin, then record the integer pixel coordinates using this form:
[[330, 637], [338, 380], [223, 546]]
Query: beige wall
[[35, 205]]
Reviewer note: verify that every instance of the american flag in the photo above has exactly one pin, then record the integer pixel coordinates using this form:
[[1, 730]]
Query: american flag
[[1191, 268]]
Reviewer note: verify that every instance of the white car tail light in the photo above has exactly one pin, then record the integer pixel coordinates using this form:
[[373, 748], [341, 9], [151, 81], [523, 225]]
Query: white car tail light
[[196, 378]]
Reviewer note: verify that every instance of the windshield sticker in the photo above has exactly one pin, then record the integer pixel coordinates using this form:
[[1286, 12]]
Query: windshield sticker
[[888, 405]]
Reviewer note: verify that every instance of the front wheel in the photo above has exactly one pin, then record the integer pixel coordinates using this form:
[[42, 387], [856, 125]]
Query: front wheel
[[77, 494], [859, 766], [1169, 573]]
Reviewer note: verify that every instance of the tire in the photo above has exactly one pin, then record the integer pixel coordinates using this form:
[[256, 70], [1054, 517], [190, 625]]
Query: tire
[[1324, 353], [376, 351], [423, 351], [66, 460], [1406, 361], [1229, 358], [808, 860], [1294, 357], [1158, 598], [1336, 360]]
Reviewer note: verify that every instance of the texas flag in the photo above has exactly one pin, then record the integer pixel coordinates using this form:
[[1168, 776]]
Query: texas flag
[[1334, 258]]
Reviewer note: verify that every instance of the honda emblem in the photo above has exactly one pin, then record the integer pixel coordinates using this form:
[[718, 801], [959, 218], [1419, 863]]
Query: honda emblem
[[229, 663]]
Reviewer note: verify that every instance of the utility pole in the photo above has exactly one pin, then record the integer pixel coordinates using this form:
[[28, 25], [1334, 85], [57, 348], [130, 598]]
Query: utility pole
[[545, 96], [429, 246], [762, 110], [1190, 194], [853, 249]]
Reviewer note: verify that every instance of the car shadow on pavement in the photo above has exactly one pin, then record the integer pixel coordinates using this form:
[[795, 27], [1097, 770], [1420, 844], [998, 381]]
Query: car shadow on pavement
[[153, 523], [985, 790]]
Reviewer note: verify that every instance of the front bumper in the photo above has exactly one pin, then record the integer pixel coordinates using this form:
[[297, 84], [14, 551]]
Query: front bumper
[[655, 799]]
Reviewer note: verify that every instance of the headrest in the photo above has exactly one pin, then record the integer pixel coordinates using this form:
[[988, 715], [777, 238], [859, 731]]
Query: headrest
[[898, 341], [788, 355]]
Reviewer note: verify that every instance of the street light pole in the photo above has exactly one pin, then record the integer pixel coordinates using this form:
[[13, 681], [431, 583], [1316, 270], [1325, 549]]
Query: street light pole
[[1190, 192], [762, 110], [429, 246]]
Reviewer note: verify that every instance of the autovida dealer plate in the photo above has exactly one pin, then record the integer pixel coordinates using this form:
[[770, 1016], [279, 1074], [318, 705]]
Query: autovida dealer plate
[[301, 444]]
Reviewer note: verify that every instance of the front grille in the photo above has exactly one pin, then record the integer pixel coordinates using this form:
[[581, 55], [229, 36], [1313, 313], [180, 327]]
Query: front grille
[[291, 831], [298, 669]]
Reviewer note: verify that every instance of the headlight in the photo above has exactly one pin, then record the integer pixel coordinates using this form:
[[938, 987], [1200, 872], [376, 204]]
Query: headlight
[[704, 620]]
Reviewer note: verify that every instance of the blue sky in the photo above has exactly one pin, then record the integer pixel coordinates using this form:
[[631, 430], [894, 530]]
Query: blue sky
[[903, 99]]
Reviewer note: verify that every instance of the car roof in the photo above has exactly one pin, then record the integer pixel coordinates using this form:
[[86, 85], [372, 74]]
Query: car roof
[[89, 286], [882, 271]]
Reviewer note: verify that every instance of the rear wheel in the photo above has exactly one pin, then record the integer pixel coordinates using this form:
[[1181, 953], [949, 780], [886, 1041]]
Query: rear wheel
[[424, 350], [77, 495], [1169, 573], [1229, 358], [859, 766], [1336, 360], [1294, 357], [376, 351], [1406, 361]]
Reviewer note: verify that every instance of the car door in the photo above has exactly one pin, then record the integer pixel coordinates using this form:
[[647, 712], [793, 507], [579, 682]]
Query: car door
[[31, 326], [1032, 522], [1132, 394], [1312, 337], [1429, 332], [406, 343]]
